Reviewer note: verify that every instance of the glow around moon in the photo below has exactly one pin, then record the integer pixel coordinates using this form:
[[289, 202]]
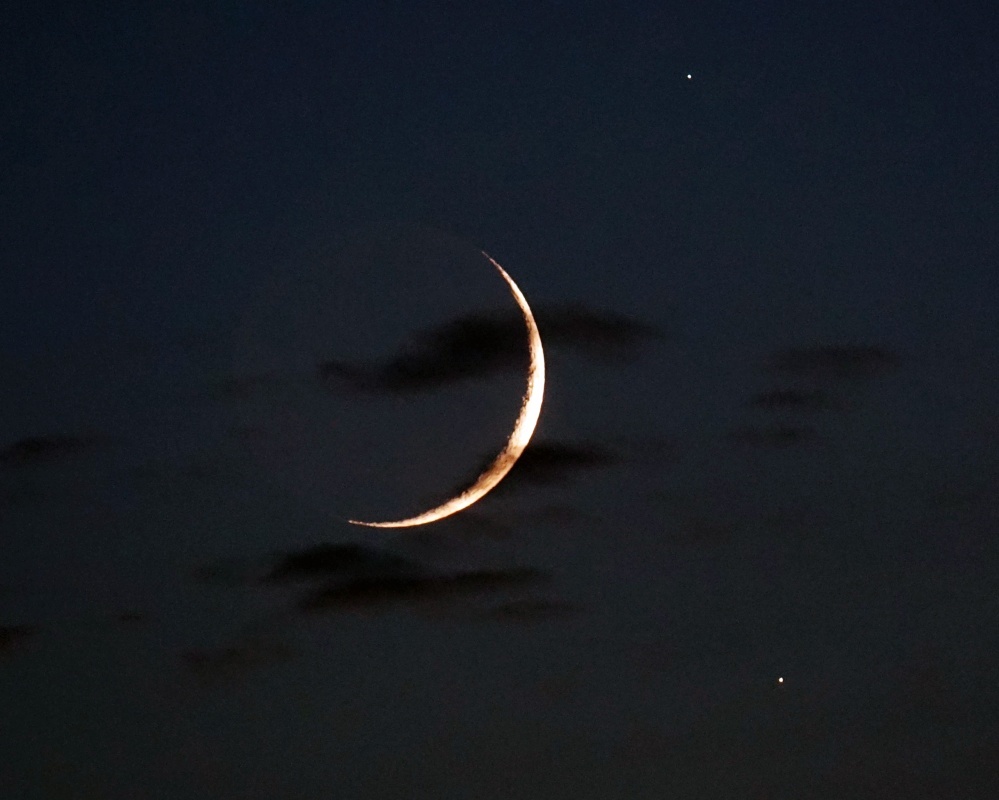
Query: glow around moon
[[523, 429]]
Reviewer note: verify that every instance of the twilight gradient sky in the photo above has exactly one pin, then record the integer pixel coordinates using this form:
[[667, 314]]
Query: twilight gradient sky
[[241, 300]]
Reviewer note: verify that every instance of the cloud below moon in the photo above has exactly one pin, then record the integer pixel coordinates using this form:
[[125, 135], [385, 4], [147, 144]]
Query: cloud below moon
[[337, 560], [381, 590]]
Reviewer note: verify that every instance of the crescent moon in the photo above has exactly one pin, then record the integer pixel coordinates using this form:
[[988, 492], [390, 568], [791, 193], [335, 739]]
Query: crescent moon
[[523, 428]]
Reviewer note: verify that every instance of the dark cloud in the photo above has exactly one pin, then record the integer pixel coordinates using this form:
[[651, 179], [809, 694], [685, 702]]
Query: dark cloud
[[529, 610], [35, 449], [478, 345], [224, 664], [13, 637], [549, 461], [546, 462], [334, 560], [835, 361], [465, 348], [772, 436], [315, 563], [356, 576], [601, 333], [388, 590], [793, 399]]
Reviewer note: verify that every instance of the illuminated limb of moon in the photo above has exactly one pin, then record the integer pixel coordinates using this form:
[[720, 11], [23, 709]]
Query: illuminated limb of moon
[[523, 428]]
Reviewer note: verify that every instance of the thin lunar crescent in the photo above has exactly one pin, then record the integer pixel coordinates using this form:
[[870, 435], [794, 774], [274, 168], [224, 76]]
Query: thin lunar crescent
[[523, 428]]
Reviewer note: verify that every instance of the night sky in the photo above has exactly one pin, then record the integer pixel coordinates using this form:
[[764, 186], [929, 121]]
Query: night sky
[[753, 548]]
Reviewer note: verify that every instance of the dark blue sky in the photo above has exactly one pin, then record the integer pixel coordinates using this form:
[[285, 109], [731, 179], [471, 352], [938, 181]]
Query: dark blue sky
[[241, 299]]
